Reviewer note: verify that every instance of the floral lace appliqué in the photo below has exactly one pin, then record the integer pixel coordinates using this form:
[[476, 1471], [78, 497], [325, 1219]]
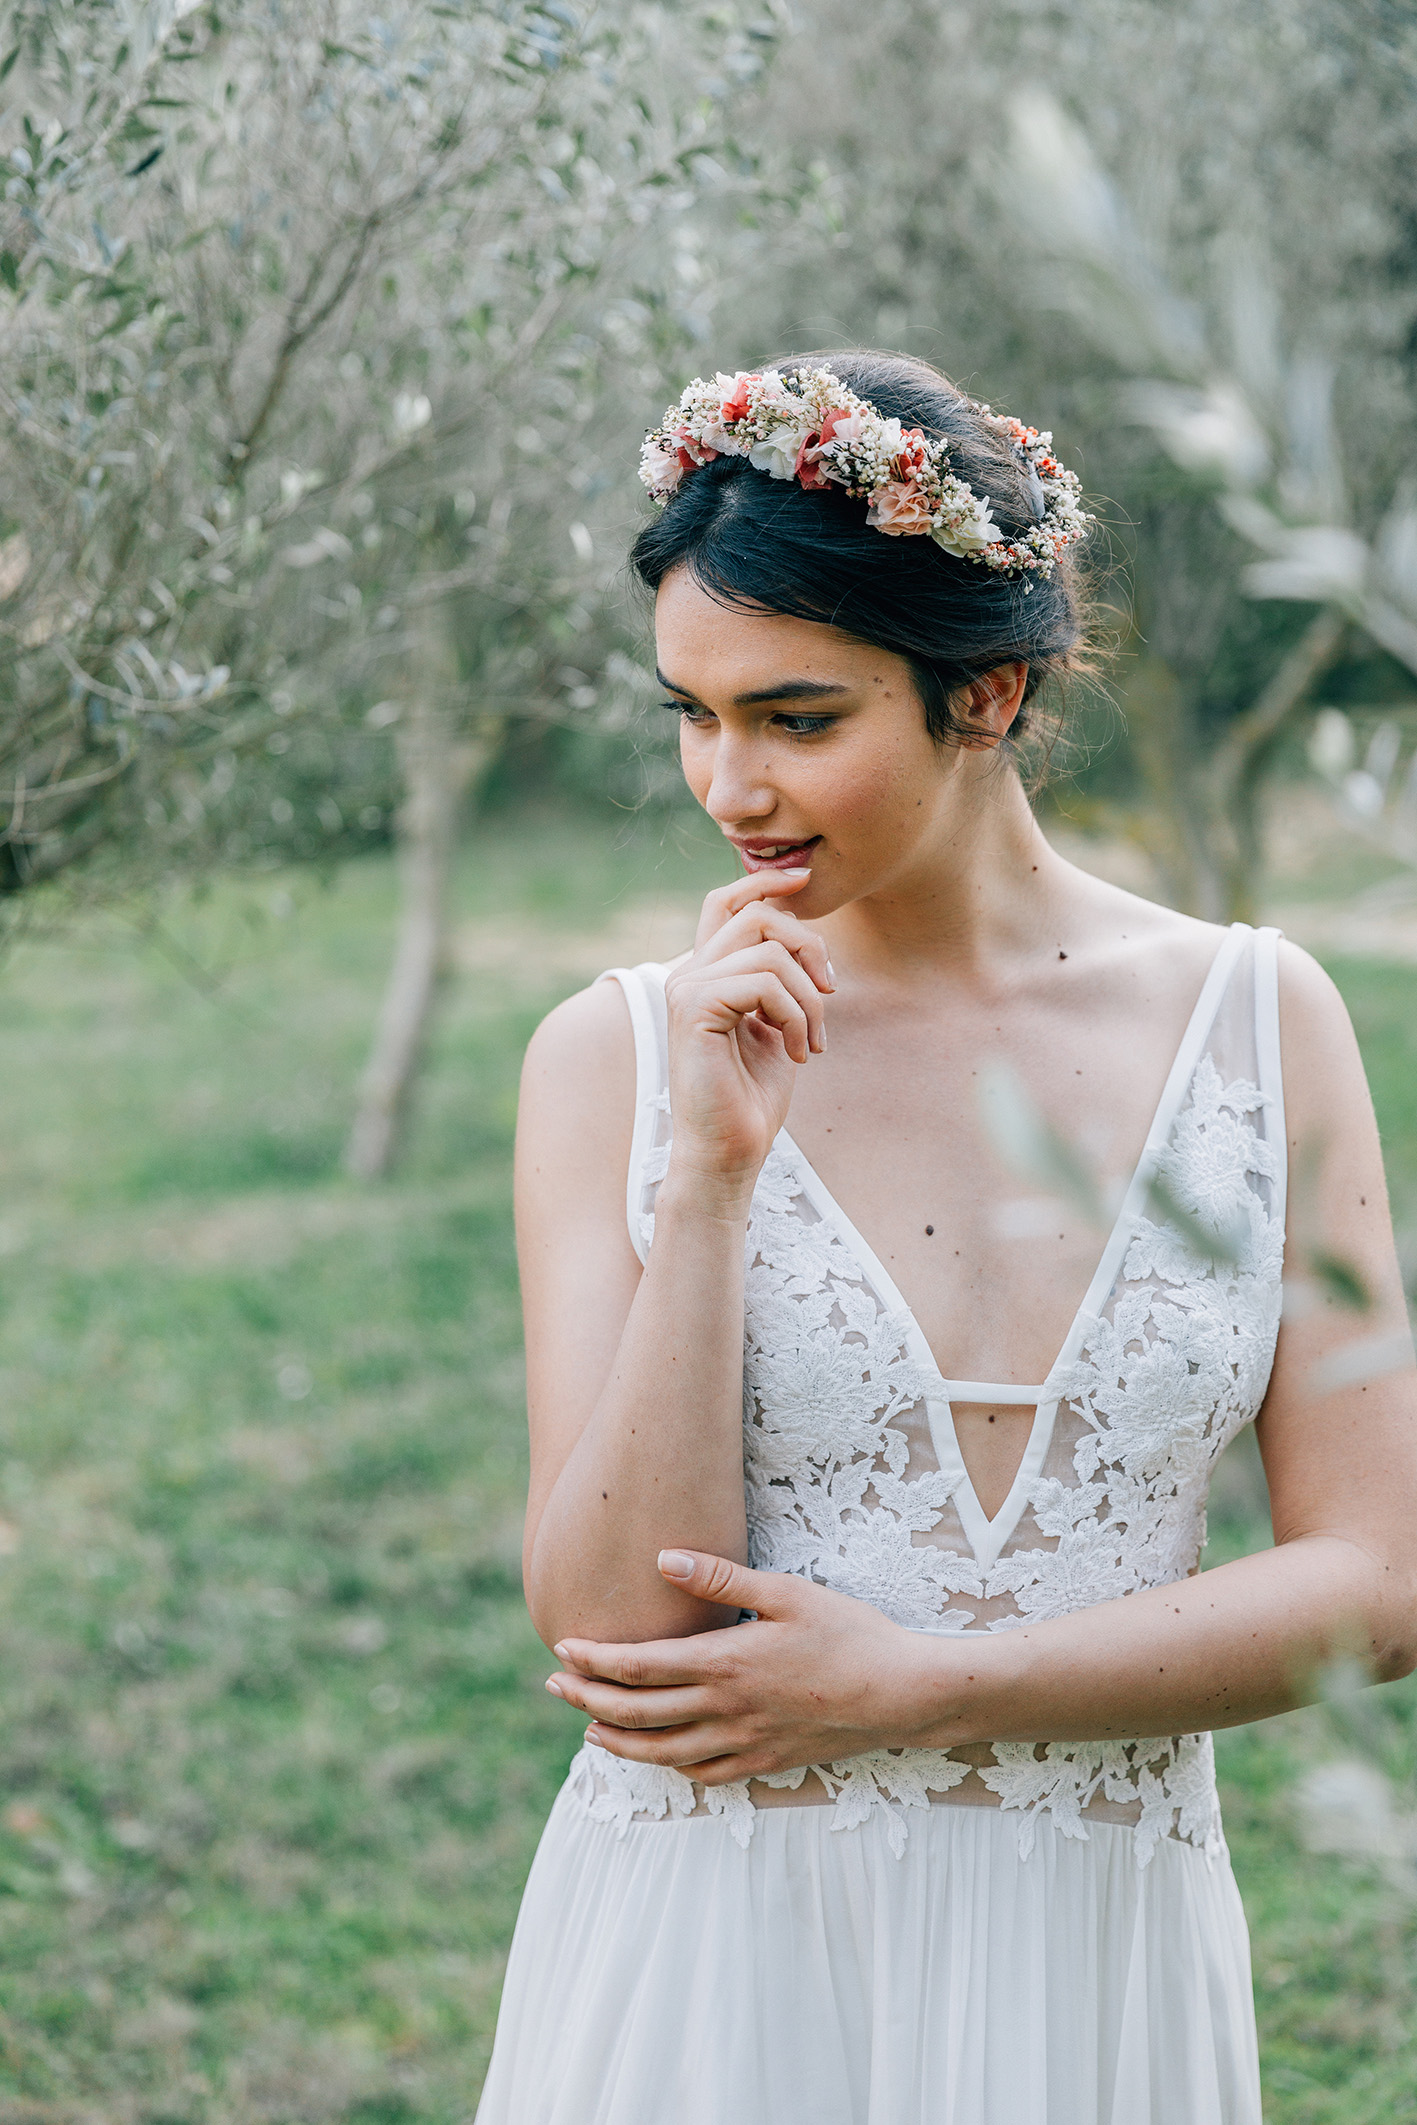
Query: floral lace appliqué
[[1156, 1385], [612, 1790]]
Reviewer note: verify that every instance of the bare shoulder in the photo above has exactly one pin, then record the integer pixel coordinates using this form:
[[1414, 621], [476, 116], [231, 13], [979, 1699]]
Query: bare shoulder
[[1324, 1080], [575, 1118], [1308, 997], [587, 1038]]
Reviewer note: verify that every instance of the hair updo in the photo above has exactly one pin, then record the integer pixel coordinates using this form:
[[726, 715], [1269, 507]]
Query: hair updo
[[774, 546]]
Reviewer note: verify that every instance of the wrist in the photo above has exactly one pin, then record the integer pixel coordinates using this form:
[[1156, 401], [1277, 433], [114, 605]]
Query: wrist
[[699, 1188], [951, 1688]]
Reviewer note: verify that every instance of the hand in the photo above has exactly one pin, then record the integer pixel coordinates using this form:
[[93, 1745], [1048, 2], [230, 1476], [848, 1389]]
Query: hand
[[744, 1010], [817, 1677]]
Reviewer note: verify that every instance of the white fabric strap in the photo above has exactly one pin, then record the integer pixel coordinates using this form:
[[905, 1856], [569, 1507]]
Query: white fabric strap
[[633, 987], [1268, 1060]]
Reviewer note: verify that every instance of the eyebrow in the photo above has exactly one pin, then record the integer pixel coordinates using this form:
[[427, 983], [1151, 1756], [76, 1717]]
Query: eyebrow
[[786, 690]]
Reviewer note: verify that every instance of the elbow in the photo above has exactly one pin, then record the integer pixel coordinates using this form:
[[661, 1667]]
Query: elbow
[[563, 1607], [539, 1606], [1394, 1654], [1395, 1662], [542, 1603]]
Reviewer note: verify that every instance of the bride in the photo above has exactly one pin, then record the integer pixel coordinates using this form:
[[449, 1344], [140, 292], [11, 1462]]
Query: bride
[[868, 1478]]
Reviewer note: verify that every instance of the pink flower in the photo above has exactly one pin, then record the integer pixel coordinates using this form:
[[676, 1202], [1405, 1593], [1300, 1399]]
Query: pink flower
[[902, 509], [810, 468], [691, 451], [660, 468]]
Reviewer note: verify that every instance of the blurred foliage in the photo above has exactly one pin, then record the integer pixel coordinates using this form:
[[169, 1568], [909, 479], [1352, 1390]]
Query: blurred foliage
[[265, 275], [311, 320], [1124, 222]]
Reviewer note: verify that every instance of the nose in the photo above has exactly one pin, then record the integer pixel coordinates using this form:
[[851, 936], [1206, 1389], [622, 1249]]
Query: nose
[[739, 790]]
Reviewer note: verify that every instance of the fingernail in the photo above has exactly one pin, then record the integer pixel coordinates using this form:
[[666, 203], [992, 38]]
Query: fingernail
[[675, 1564], [831, 974], [796, 870], [560, 1652], [554, 1686]]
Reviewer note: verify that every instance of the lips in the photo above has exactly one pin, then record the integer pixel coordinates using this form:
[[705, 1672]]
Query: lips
[[768, 855]]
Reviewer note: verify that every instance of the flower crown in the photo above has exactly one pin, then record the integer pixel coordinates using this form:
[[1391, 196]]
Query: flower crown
[[809, 427]]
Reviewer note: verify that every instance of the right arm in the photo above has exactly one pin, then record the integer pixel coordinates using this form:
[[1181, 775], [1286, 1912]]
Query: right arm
[[635, 1379]]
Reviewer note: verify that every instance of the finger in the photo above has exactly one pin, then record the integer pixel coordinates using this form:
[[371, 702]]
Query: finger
[[661, 1663], [735, 1766], [710, 1578], [731, 1770], [774, 978], [772, 957], [725, 901], [674, 1747], [633, 1710], [721, 1005], [765, 923]]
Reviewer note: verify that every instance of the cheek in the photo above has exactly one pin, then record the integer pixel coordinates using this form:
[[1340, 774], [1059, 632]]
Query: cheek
[[885, 789]]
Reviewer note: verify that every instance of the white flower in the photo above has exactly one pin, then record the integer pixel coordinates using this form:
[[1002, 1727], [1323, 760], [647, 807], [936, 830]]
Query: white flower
[[966, 532], [849, 434], [777, 453], [718, 438]]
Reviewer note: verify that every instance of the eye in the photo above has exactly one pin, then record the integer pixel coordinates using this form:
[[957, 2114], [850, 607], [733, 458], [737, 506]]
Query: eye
[[688, 711], [804, 726]]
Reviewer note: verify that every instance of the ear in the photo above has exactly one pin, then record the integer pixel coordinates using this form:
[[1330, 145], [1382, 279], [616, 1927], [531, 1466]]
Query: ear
[[990, 704]]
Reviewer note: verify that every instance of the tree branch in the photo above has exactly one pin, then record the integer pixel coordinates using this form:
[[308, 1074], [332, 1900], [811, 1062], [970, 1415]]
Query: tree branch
[[1316, 651]]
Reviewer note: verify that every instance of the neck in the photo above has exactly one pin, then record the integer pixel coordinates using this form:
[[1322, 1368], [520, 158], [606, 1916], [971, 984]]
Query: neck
[[980, 889]]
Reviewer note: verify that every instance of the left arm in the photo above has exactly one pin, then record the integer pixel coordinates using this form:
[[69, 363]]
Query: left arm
[[821, 1677]]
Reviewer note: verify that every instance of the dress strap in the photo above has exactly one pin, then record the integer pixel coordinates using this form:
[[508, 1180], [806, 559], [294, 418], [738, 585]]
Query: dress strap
[[1267, 1052], [643, 991]]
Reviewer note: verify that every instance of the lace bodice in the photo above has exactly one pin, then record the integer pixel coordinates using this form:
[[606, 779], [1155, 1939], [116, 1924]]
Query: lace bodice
[[852, 1467]]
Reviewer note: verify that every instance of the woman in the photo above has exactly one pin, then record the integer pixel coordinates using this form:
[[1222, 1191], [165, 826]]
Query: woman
[[866, 1502]]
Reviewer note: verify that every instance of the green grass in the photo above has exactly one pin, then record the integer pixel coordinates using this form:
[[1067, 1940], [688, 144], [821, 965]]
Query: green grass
[[274, 1751]]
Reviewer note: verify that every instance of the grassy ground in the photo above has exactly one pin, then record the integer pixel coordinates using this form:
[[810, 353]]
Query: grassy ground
[[274, 1750]]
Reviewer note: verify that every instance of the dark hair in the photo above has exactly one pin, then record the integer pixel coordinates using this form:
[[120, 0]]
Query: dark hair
[[775, 546]]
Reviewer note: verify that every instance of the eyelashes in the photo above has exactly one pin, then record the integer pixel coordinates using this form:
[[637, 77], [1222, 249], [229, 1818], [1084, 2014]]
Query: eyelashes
[[793, 726]]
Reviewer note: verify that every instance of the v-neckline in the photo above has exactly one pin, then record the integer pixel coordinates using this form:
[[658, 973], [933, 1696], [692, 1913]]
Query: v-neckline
[[987, 1536]]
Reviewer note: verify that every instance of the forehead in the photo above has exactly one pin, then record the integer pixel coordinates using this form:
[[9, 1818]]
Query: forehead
[[703, 644]]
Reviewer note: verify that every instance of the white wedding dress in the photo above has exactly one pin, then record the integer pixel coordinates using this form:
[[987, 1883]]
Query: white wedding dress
[[1005, 1935]]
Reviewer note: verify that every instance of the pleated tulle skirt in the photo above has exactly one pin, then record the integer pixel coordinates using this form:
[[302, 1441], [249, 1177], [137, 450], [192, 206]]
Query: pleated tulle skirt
[[815, 1978]]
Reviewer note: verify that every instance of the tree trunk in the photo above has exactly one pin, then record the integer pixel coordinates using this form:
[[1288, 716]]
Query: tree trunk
[[439, 764], [1201, 820], [1243, 759], [1171, 827]]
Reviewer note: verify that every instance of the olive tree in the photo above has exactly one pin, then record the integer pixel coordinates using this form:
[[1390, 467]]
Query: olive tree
[[317, 330]]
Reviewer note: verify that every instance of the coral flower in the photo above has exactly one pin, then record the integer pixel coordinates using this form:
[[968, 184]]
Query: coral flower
[[812, 469], [902, 509]]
